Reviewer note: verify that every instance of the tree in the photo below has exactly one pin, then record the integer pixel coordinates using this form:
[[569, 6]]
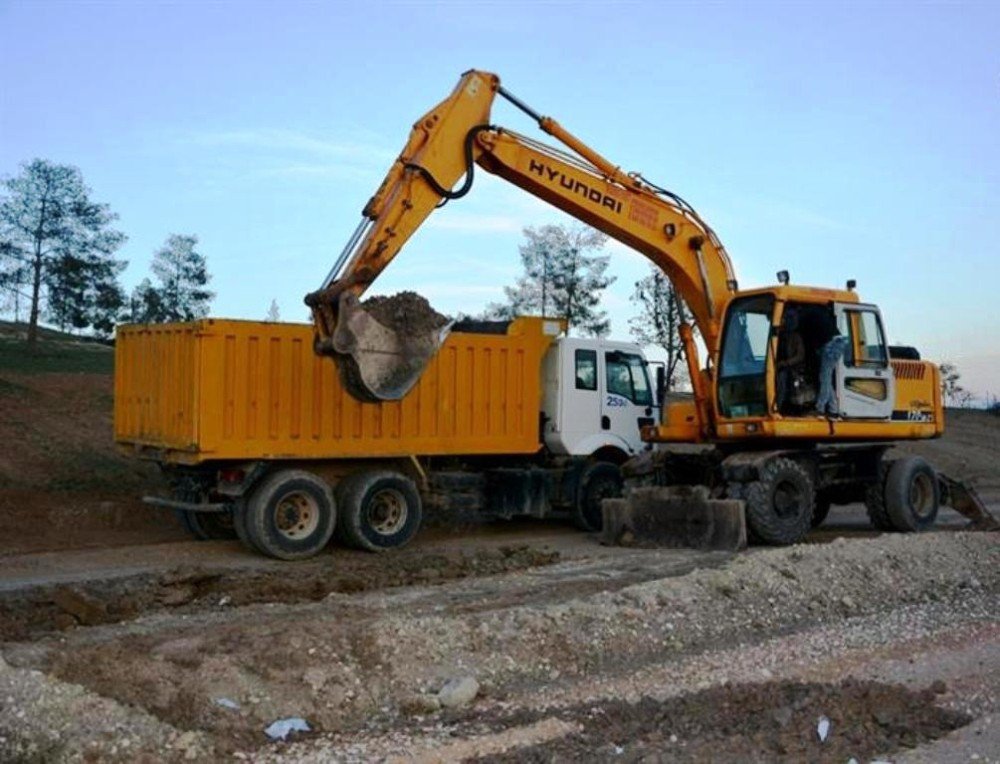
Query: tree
[[183, 276], [85, 292], [661, 312], [273, 313], [14, 278], [951, 391], [145, 306], [562, 277], [62, 239]]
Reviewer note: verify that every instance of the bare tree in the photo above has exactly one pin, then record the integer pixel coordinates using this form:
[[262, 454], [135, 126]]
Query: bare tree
[[661, 312], [273, 313], [951, 391]]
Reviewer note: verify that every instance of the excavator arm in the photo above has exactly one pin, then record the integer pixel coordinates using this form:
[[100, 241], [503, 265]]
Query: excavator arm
[[444, 146]]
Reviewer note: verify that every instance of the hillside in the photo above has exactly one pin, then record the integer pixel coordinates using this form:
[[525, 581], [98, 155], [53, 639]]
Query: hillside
[[61, 481]]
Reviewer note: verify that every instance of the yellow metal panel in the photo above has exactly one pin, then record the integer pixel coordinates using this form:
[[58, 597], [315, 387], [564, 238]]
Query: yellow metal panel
[[220, 389]]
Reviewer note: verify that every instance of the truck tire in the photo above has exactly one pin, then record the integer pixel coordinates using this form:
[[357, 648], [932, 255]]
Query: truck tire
[[821, 510], [290, 515], [208, 526], [779, 504], [878, 514], [599, 481], [912, 496], [379, 510], [240, 524]]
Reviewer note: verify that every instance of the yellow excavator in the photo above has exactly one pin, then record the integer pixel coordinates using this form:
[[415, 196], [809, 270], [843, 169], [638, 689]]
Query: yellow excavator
[[754, 401]]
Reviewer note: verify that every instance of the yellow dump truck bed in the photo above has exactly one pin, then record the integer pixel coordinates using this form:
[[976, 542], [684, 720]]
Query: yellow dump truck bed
[[224, 389]]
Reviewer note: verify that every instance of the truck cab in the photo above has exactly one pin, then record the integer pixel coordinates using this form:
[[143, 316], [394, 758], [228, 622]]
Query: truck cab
[[596, 397]]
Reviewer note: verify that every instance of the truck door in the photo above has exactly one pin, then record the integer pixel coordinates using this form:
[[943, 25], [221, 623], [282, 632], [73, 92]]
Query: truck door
[[626, 397], [866, 387]]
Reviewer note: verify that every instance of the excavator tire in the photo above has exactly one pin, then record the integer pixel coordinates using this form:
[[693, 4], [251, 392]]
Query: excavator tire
[[379, 510], [599, 481], [290, 515], [875, 499], [821, 510], [912, 495], [779, 504]]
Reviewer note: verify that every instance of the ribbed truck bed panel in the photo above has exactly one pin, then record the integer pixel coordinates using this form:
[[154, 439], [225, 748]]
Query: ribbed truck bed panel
[[224, 389]]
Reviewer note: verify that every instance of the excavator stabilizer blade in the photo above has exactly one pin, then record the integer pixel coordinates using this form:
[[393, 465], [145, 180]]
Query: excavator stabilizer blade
[[964, 500], [378, 363]]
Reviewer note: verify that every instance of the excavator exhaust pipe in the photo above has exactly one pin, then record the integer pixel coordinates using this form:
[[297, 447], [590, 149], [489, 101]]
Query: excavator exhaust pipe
[[375, 362]]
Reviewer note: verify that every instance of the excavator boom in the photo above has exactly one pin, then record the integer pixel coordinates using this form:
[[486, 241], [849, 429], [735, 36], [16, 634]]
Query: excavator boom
[[444, 147]]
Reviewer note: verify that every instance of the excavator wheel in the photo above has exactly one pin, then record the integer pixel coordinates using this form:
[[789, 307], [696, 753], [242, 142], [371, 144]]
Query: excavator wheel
[[821, 510], [875, 499], [779, 504], [912, 495]]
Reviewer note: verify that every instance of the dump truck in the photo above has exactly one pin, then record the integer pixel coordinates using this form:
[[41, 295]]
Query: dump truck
[[259, 437]]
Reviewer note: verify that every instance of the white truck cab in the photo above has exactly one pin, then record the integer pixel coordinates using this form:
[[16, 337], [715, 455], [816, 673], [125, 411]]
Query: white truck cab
[[597, 395]]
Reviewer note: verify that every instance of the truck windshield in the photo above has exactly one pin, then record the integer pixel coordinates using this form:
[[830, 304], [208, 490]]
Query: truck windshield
[[743, 361], [627, 376]]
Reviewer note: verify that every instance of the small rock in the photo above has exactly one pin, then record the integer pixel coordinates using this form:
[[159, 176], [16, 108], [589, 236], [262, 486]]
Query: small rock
[[232, 705], [420, 704], [174, 596], [847, 602], [86, 609], [185, 651], [458, 692], [783, 716]]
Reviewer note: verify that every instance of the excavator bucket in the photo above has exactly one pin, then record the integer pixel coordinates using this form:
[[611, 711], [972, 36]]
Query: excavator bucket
[[381, 360]]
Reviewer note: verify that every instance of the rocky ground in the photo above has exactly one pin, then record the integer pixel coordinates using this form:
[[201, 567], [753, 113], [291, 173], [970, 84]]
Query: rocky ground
[[553, 649]]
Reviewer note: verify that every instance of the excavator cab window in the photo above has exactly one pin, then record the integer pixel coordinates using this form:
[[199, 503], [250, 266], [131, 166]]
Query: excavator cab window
[[743, 360]]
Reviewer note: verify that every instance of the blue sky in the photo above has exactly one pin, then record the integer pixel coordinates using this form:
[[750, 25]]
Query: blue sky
[[837, 140]]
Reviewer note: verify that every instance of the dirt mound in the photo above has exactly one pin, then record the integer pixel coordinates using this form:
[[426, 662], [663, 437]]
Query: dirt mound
[[772, 721], [406, 313]]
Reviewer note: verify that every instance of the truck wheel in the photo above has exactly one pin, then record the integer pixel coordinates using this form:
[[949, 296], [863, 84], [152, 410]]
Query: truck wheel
[[208, 526], [290, 515], [379, 510], [779, 504], [878, 514], [599, 481], [240, 524], [912, 497], [821, 509]]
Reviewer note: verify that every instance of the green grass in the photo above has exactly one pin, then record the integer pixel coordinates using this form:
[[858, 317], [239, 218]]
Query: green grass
[[55, 356]]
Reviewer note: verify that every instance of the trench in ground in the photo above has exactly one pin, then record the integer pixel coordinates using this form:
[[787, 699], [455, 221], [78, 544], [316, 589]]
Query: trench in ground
[[35, 610], [771, 721]]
